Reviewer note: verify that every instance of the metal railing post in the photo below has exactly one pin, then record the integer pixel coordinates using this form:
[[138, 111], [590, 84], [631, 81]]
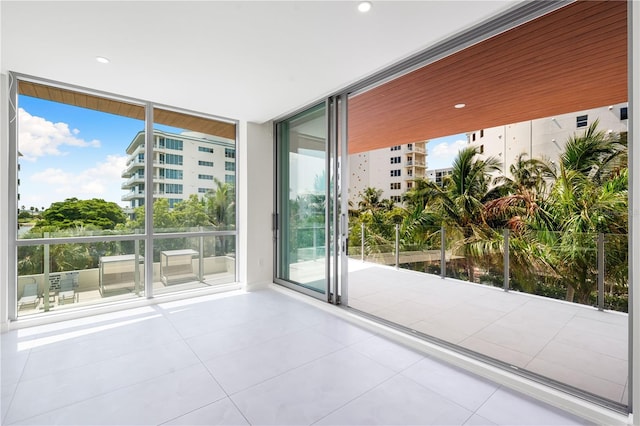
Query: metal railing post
[[397, 246], [600, 271], [505, 233], [315, 241], [362, 241], [136, 266], [201, 256], [47, 283], [443, 254]]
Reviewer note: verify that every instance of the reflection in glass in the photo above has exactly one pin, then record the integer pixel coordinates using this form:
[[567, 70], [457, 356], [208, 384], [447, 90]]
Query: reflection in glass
[[302, 199], [62, 276], [193, 262]]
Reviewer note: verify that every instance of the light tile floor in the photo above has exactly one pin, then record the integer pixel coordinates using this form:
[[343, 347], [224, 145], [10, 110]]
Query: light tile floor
[[571, 343], [240, 358]]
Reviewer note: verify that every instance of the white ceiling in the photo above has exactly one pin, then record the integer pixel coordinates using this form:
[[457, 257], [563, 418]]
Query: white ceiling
[[238, 59]]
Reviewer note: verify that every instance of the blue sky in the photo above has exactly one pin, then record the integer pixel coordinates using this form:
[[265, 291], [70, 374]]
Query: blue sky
[[442, 151], [69, 151]]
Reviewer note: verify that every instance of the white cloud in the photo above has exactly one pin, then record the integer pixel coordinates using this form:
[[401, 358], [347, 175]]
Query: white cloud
[[447, 150], [38, 137], [101, 181]]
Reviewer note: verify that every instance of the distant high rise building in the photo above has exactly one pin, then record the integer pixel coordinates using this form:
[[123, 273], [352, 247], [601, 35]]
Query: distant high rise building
[[393, 170], [183, 164], [438, 175], [544, 137]]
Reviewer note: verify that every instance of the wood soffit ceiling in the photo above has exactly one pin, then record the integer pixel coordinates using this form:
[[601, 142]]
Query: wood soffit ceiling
[[169, 118], [572, 59]]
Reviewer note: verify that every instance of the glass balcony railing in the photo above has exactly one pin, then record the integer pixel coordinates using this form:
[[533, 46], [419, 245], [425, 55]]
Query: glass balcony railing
[[62, 275], [589, 268]]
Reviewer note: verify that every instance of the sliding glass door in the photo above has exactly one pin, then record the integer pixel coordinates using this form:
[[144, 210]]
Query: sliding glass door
[[302, 238]]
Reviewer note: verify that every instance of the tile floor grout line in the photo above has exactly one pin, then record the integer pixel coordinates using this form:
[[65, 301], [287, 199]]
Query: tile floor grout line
[[102, 394], [356, 397], [286, 371], [444, 396], [15, 390]]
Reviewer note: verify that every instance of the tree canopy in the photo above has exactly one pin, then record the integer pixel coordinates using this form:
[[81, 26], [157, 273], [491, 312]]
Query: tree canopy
[[73, 212]]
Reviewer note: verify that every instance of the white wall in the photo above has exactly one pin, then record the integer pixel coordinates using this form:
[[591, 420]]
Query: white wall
[[255, 182]]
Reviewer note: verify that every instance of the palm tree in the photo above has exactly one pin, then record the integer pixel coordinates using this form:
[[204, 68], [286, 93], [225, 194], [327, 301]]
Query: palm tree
[[221, 206], [594, 154], [370, 199], [460, 205], [422, 192], [588, 197]]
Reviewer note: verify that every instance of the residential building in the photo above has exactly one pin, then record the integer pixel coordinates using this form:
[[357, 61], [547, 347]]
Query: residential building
[[437, 175], [545, 137], [391, 170], [183, 164]]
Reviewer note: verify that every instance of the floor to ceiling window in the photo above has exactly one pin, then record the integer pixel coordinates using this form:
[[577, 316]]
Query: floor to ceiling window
[[87, 166], [501, 168], [302, 189]]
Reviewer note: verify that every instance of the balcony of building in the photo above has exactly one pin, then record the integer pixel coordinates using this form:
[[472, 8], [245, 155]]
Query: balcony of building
[[121, 277], [412, 148], [132, 166], [133, 180], [415, 163], [133, 195], [580, 347]]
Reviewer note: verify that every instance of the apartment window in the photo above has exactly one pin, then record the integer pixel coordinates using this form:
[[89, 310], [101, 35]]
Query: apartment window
[[229, 153], [473, 137], [395, 160], [482, 133], [395, 173], [231, 179], [410, 146], [396, 198], [409, 172], [173, 159], [111, 216], [205, 163], [205, 149], [582, 121], [174, 144], [395, 148], [173, 188], [481, 149], [395, 185], [229, 166], [205, 177], [624, 113], [173, 174]]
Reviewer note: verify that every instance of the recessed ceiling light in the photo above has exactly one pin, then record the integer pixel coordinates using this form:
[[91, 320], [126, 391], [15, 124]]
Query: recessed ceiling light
[[458, 106], [102, 59], [364, 6]]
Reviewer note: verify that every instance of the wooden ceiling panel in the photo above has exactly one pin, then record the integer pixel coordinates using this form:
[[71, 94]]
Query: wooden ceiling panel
[[572, 59], [98, 103]]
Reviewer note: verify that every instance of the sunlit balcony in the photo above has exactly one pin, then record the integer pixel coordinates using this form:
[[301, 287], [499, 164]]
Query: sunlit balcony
[[119, 277], [580, 346]]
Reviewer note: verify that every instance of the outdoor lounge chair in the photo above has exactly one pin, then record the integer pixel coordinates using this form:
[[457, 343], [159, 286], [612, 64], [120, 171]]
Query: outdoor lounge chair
[[29, 295], [67, 293]]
